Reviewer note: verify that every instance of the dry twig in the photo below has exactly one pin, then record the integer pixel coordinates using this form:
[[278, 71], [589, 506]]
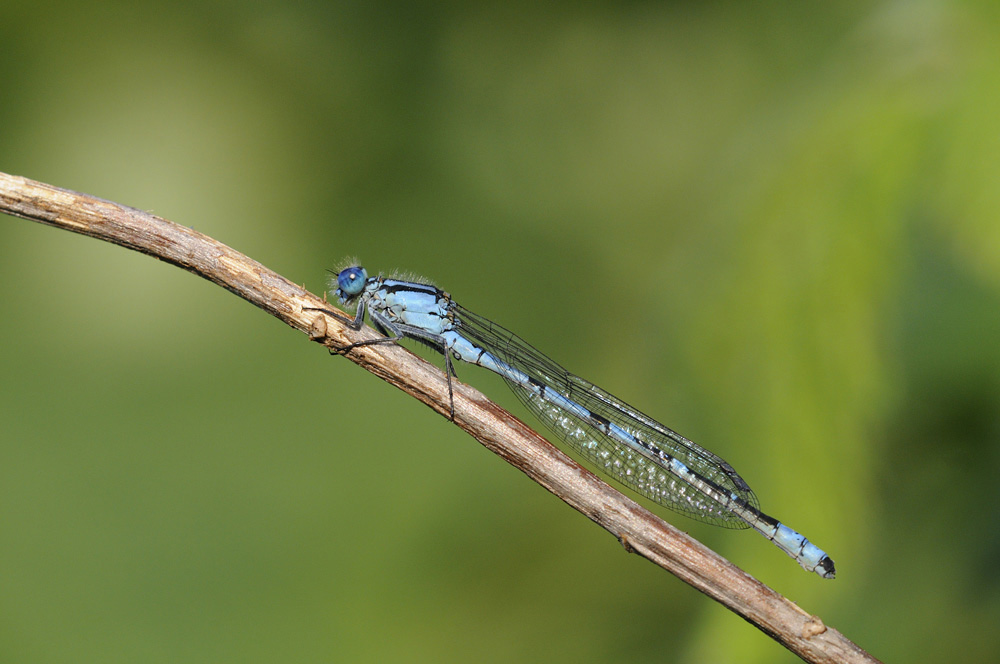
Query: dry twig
[[637, 529]]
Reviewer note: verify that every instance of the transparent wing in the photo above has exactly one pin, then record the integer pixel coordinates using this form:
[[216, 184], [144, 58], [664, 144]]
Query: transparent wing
[[636, 466]]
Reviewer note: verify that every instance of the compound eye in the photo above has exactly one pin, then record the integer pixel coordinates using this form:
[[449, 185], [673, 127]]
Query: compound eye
[[352, 280]]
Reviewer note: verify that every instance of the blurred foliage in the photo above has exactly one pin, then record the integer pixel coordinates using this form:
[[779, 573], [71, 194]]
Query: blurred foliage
[[771, 226]]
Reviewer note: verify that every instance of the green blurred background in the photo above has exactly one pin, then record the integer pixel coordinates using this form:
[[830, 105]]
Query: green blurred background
[[772, 226]]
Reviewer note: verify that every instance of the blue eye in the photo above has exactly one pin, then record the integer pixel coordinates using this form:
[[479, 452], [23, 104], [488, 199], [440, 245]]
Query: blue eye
[[351, 282]]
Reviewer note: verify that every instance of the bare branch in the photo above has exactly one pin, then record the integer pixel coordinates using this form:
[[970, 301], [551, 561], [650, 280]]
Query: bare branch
[[639, 530]]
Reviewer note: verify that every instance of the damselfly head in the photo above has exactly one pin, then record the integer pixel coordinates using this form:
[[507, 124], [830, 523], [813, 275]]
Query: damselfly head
[[350, 282]]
